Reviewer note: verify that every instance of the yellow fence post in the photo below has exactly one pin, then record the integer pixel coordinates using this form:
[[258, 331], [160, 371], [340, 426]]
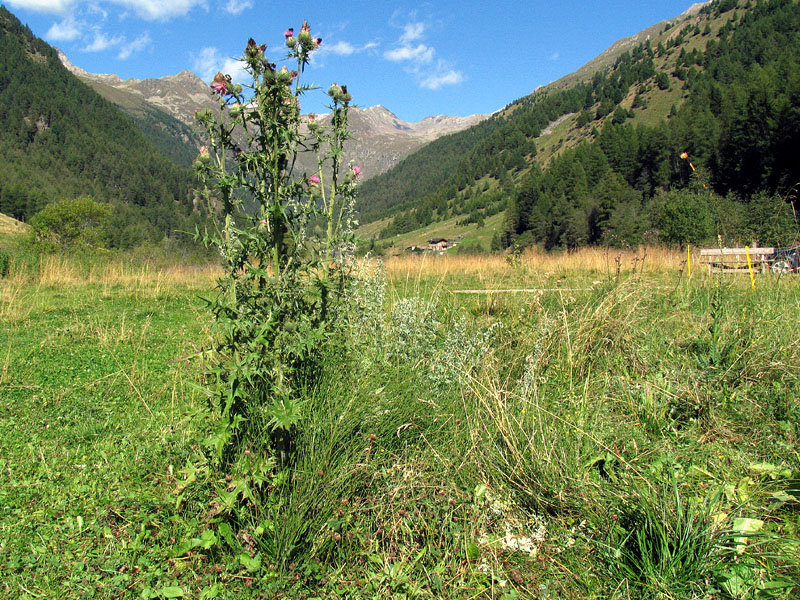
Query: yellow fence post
[[750, 267], [689, 258]]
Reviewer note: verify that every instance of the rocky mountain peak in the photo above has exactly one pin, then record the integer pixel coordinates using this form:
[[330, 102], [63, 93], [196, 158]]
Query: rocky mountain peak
[[379, 139]]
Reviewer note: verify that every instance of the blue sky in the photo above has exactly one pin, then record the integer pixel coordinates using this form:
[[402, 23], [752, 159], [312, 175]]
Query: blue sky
[[455, 57]]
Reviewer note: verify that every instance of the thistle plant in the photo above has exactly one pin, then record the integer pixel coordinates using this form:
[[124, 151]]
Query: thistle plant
[[281, 235]]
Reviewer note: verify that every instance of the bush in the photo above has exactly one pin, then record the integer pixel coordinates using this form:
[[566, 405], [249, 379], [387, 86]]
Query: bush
[[685, 218], [71, 223]]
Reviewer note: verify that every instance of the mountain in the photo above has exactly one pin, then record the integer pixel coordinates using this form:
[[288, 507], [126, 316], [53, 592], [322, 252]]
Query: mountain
[[708, 102], [163, 108], [606, 59], [59, 139], [176, 95], [379, 139]]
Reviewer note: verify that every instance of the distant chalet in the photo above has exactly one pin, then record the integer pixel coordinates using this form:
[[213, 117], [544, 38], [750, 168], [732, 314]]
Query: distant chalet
[[434, 245], [438, 244]]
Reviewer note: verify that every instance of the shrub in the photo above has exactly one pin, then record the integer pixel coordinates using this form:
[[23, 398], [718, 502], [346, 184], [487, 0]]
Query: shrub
[[685, 217], [71, 223]]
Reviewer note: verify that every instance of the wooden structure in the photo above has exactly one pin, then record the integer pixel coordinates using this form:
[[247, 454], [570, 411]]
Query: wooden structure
[[438, 244], [734, 260]]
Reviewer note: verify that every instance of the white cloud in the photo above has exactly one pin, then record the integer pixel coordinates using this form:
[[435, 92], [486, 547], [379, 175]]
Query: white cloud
[[420, 53], [209, 61], [555, 56], [137, 45], [418, 58], [159, 10], [102, 42], [345, 48], [341, 48], [151, 10], [67, 30], [237, 6], [437, 80], [45, 6], [412, 32]]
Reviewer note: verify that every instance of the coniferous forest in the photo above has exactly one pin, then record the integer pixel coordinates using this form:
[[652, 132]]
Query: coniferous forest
[[724, 155], [61, 140], [683, 137]]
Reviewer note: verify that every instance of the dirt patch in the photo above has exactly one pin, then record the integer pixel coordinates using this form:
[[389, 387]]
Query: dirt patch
[[552, 125]]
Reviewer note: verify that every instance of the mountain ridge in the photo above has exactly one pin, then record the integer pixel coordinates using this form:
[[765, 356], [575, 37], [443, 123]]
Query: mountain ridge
[[61, 140], [379, 139]]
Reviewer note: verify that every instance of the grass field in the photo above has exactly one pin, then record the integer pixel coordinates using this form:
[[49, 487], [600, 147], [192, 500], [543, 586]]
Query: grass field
[[619, 430]]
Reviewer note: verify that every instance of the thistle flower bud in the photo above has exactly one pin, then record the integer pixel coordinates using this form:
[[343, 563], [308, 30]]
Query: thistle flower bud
[[284, 75], [335, 91], [305, 38], [204, 157], [253, 51], [291, 42]]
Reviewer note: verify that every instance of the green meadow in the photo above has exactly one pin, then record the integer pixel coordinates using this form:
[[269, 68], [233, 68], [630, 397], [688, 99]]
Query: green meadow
[[617, 430]]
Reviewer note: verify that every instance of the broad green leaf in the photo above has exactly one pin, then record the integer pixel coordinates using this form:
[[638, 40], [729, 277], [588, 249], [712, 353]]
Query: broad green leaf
[[227, 534], [473, 551], [252, 564], [211, 592], [480, 493], [747, 525], [207, 539], [186, 545], [172, 591]]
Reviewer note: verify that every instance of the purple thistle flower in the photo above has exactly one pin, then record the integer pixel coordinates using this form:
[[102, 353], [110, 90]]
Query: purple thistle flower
[[220, 83]]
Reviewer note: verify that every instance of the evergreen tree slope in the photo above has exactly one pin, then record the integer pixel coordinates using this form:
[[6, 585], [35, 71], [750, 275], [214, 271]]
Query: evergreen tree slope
[[60, 139], [586, 163]]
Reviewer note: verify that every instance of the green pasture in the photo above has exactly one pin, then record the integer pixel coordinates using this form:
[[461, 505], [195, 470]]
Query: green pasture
[[628, 437]]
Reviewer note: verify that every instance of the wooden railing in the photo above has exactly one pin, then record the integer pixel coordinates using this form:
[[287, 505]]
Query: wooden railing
[[734, 260]]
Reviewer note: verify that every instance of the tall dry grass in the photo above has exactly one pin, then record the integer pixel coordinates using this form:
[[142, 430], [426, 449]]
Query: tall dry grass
[[11, 227], [20, 292], [646, 259], [56, 270]]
